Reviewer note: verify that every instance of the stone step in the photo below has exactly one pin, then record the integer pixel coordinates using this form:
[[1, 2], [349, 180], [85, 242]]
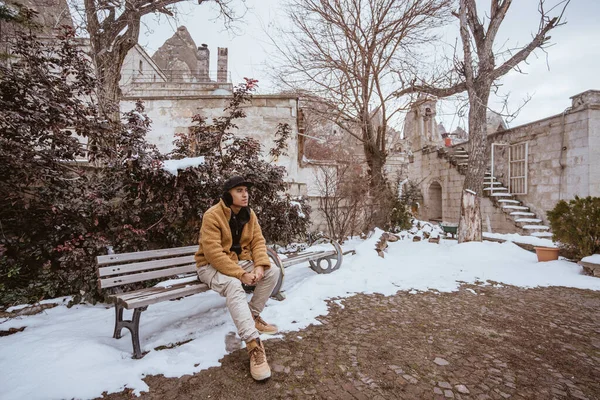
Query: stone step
[[509, 201], [492, 183], [528, 220], [515, 208], [501, 194], [541, 234], [522, 214], [500, 189], [536, 227], [460, 155]]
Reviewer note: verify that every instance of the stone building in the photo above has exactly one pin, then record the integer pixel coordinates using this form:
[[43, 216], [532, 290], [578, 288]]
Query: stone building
[[179, 84], [531, 168]]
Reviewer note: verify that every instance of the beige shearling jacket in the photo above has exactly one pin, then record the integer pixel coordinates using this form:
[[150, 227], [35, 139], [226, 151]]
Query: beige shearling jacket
[[216, 240]]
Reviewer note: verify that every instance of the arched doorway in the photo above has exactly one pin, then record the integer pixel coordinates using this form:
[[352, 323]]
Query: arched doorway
[[434, 205]]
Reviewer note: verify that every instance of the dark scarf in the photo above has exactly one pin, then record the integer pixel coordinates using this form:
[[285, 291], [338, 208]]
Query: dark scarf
[[236, 223]]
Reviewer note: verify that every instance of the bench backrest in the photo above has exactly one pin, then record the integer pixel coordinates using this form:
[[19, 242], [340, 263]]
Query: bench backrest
[[121, 269]]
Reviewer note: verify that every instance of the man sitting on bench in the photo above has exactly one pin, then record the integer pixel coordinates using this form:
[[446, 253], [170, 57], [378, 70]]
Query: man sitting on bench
[[232, 251]]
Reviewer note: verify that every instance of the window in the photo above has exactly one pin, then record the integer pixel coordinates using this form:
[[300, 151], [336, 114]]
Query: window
[[141, 67], [517, 168]]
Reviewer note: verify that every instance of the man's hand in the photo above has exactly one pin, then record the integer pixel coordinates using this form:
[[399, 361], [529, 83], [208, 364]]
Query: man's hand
[[248, 279], [259, 273]]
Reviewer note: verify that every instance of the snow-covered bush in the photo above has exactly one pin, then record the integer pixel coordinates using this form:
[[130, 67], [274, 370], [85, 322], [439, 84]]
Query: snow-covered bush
[[576, 226]]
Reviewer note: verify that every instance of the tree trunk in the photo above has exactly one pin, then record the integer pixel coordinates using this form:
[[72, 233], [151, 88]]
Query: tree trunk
[[108, 72], [470, 214], [376, 162]]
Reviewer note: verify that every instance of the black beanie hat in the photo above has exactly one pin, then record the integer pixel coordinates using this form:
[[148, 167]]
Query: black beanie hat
[[235, 181], [231, 183]]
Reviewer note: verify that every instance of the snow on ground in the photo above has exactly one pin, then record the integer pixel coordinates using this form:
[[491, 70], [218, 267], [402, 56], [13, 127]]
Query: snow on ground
[[70, 353], [515, 237]]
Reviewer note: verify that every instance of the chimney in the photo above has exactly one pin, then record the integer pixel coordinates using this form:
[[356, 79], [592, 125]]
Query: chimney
[[203, 63], [222, 65]]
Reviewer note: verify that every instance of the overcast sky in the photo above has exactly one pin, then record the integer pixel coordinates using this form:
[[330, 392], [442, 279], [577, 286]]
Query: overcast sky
[[571, 66]]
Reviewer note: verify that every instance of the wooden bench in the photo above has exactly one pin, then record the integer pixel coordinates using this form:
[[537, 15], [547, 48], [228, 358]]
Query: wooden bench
[[117, 271]]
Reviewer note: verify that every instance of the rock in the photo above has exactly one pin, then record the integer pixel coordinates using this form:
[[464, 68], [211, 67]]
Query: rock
[[462, 389], [440, 361]]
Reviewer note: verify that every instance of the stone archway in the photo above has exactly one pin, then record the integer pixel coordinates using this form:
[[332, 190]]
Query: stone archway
[[434, 201]]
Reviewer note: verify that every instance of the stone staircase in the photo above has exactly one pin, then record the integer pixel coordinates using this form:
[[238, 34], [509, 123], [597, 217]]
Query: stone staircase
[[521, 214]]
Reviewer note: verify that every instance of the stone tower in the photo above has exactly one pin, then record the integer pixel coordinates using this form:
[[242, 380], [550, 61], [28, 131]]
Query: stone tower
[[420, 126], [222, 65], [203, 63]]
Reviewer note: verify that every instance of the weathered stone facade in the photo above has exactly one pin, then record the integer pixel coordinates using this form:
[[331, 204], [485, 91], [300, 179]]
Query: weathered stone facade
[[441, 185], [52, 14], [561, 162], [563, 154], [172, 114]]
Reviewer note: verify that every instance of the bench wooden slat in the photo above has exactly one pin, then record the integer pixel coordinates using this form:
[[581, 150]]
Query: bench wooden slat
[[134, 294], [146, 297], [145, 255], [300, 259], [144, 276], [144, 266]]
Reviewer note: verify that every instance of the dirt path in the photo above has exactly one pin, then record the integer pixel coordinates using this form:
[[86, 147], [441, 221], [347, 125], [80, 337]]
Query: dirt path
[[500, 343]]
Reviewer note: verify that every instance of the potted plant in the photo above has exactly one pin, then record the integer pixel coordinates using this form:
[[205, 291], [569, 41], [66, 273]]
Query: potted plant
[[546, 253]]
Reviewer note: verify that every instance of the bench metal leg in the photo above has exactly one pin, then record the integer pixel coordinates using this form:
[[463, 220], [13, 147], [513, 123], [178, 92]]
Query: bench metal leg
[[132, 325], [118, 321]]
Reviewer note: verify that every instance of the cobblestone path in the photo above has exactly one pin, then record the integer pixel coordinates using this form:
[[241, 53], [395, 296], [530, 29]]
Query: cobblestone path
[[482, 342]]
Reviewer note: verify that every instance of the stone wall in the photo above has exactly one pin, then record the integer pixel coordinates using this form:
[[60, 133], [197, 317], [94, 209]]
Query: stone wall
[[562, 155], [427, 169], [173, 114]]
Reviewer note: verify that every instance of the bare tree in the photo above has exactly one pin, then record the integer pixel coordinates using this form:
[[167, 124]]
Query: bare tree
[[342, 199], [114, 28], [476, 73], [345, 52]]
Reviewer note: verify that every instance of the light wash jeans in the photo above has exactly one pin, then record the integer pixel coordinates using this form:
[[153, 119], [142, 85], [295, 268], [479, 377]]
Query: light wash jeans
[[235, 296]]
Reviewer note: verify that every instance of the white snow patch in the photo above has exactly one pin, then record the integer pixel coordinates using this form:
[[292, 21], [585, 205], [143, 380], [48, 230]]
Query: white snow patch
[[594, 258], [299, 206], [339, 303], [141, 116], [172, 166]]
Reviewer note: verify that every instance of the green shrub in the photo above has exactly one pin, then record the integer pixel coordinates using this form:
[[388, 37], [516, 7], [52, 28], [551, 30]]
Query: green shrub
[[576, 226], [401, 217]]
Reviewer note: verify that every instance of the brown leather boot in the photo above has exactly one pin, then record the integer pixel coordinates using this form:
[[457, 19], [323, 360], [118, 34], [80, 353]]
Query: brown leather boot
[[259, 367], [264, 327]]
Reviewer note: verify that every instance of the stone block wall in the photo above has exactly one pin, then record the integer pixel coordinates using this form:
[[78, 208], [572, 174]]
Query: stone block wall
[[173, 114], [562, 160], [428, 168]]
